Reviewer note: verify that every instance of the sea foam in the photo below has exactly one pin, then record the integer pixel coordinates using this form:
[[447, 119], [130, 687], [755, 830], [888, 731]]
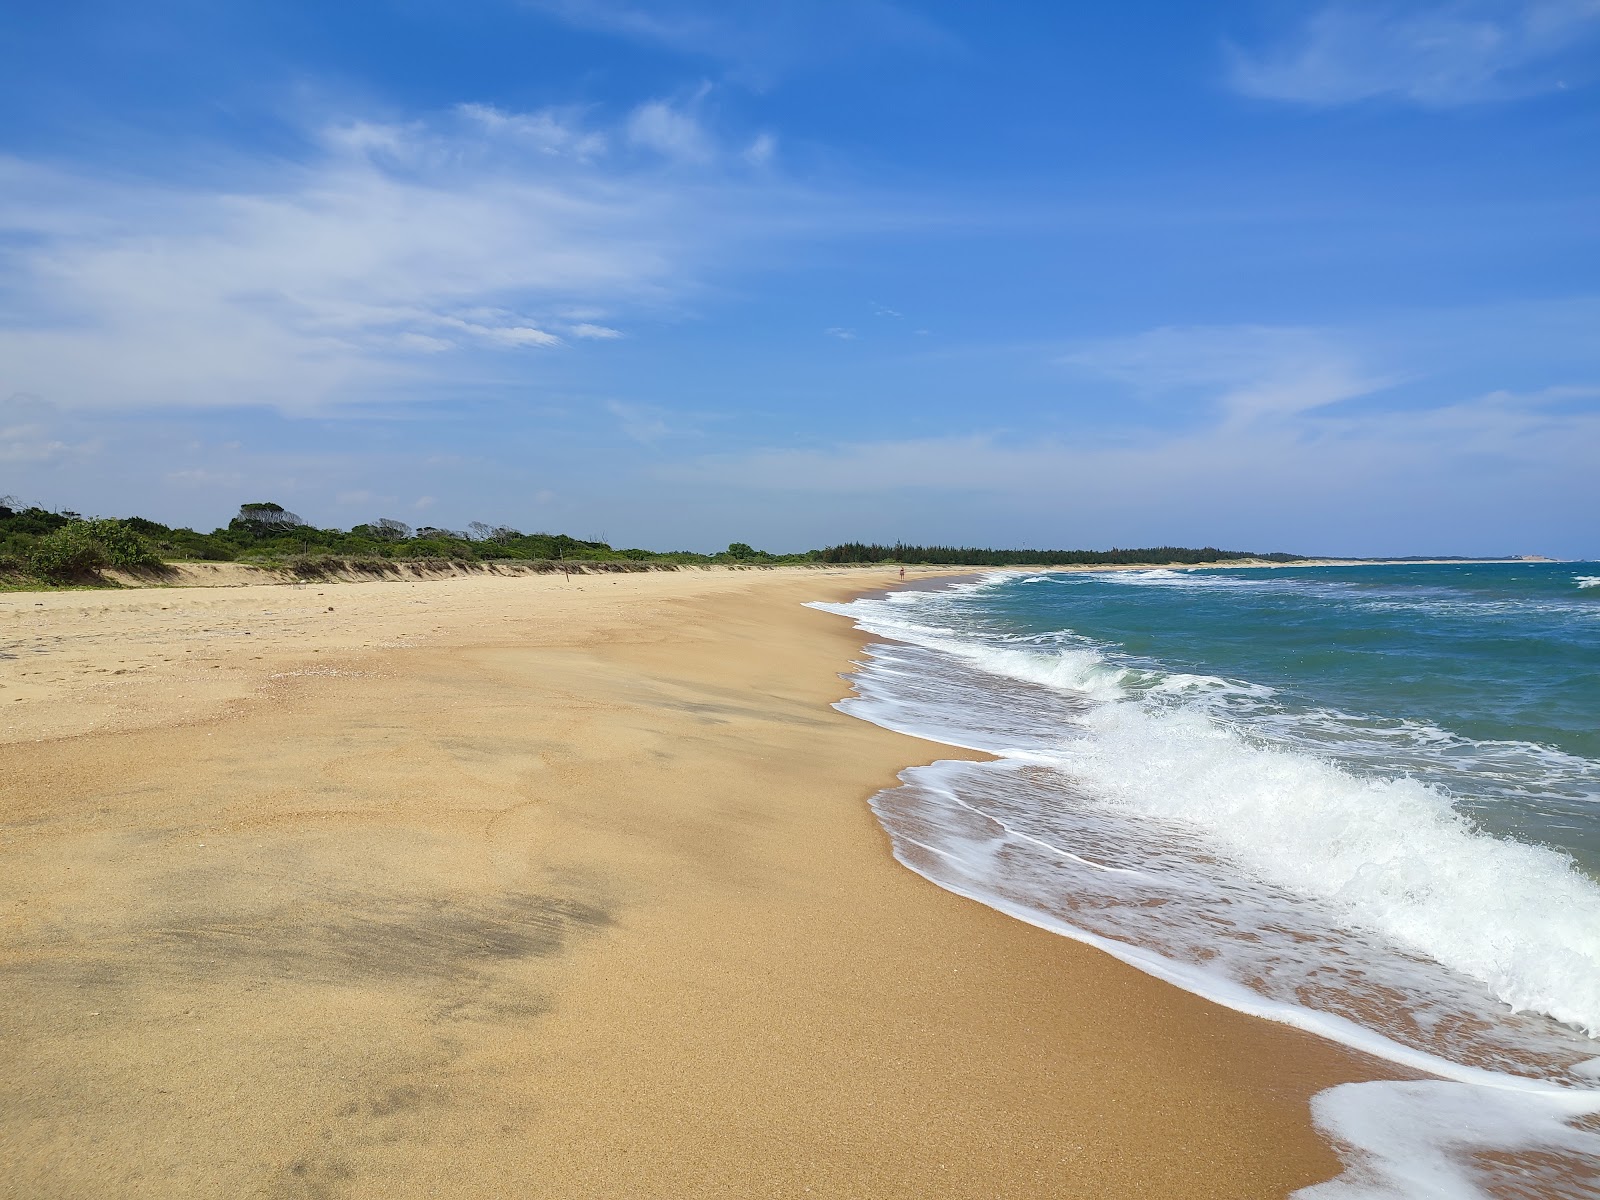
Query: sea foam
[[1126, 810]]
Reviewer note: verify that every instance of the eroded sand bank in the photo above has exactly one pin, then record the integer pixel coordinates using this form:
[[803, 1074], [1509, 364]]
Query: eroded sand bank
[[534, 887]]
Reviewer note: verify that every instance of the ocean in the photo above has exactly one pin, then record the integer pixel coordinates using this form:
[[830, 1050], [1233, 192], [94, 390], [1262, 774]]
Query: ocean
[[1360, 800]]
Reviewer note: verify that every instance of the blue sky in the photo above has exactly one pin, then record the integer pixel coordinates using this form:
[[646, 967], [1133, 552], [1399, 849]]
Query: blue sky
[[1263, 274]]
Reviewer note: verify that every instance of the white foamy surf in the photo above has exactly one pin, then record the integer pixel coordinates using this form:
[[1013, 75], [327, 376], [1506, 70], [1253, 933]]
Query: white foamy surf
[[1127, 809]]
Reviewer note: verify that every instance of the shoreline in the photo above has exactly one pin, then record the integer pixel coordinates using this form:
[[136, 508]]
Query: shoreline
[[185, 575], [552, 888]]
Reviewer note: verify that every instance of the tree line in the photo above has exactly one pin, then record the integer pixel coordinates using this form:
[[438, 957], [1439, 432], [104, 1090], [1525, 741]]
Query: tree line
[[66, 547]]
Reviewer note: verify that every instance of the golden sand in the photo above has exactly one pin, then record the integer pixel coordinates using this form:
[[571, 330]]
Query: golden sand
[[531, 887]]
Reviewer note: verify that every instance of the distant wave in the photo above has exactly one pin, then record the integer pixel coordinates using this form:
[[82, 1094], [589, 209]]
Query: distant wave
[[1438, 600]]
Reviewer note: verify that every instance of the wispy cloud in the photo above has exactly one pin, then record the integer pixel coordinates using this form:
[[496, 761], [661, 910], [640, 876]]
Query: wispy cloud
[[1437, 55], [31, 433], [552, 131], [202, 477], [384, 259], [1286, 417], [762, 150], [672, 131], [844, 335], [1247, 373], [640, 423], [757, 40], [1444, 479], [176, 468]]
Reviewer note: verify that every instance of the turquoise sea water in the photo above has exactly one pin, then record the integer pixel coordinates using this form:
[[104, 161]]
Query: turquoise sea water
[[1363, 800], [1482, 678]]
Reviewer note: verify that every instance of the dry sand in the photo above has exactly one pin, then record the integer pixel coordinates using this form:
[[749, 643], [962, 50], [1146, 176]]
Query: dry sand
[[527, 887]]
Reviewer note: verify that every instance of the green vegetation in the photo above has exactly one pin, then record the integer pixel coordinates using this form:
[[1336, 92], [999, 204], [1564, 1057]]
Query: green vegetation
[[76, 551], [64, 548], [67, 554]]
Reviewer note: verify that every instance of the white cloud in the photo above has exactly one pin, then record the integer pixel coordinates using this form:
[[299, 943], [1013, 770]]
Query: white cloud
[[23, 445], [521, 335], [671, 132], [373, 268], [1437, 55], [585, 329], [758, 40], [844, 335], [31, 432], [204, 477], [1448, 479], [1275, 448], [639, 422], [762, 150], [1247, 372], [552, 131]]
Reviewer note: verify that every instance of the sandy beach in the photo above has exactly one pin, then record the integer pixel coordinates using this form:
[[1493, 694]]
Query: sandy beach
[[542, 887]]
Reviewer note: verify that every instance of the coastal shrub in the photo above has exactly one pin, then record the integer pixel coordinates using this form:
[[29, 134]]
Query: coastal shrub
[[123, 547], [16, 546], [69, 553], [439, 548], [80, 549]]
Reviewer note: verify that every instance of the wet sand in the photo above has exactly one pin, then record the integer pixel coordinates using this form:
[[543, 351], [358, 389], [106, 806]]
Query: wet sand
[[535, 887]]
